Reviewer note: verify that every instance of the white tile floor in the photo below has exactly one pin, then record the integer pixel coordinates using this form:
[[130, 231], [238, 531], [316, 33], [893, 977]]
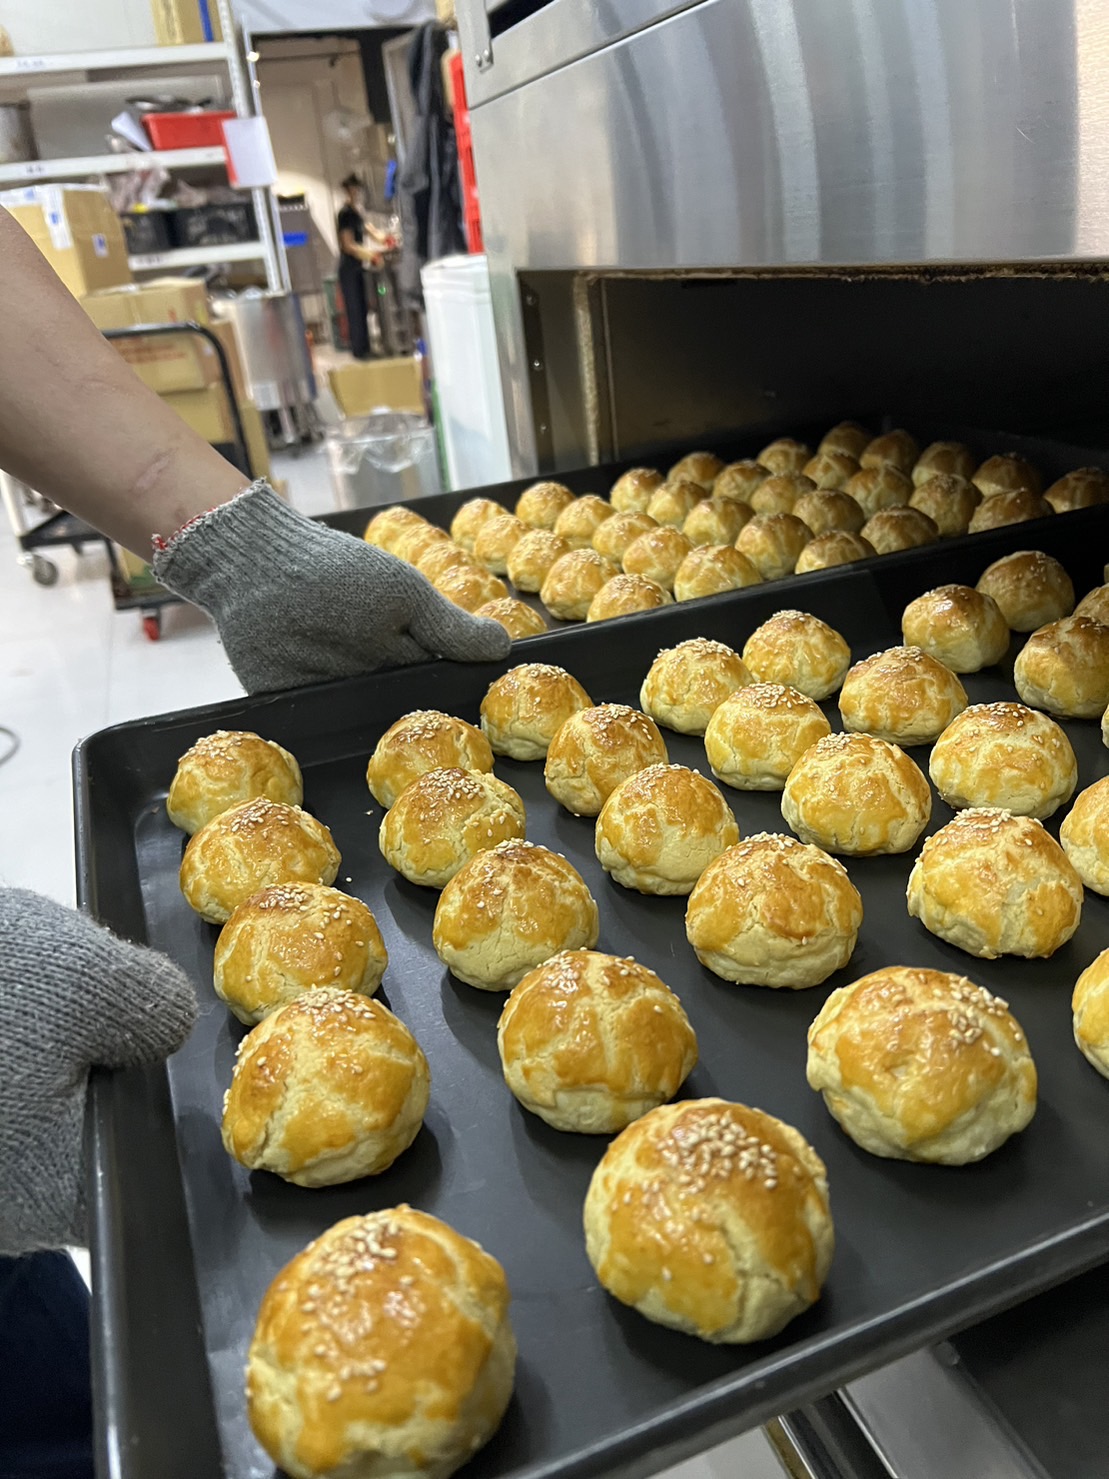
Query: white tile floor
[[70, 665]]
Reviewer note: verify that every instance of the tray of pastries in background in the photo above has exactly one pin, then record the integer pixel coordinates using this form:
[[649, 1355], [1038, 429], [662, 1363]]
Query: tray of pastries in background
[[602, 1054], [608, 541]]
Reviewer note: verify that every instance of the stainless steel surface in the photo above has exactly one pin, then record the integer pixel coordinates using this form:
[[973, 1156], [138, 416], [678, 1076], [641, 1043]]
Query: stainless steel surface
[[778, 132], [925, 1419], [269, 331], [764, 134]]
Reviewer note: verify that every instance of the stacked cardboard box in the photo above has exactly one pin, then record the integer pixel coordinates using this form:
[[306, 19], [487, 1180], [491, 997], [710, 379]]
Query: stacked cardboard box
[[76, 230]]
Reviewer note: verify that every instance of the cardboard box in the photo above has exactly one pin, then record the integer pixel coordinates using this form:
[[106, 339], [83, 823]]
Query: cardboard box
[[169, 362], [368, 385], [224, 331], [135, 570], [185, 22], [76, 230], [209, 415]]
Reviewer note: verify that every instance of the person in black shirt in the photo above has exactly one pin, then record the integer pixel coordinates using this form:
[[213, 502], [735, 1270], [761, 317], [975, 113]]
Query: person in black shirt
[[354, 257]]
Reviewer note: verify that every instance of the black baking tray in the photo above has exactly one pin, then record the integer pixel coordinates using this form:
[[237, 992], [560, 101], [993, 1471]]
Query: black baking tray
[[1053, 459], [185, 1241]]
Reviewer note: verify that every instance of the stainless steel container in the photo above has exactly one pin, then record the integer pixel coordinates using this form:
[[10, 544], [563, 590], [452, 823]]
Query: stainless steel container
[[382, 458], [273, 348]]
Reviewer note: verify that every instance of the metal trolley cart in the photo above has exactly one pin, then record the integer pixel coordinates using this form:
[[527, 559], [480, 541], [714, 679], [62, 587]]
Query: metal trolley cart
[[61, 528]]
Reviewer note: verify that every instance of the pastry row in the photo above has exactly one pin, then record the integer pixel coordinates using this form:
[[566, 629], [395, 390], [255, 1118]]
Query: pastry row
[[707, 528]]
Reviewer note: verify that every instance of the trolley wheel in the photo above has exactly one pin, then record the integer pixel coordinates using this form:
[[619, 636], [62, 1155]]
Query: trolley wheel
[[43, 571], [152, 625]]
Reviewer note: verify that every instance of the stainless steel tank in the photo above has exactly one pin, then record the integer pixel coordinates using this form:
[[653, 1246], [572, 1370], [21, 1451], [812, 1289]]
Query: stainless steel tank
[[273, 347]]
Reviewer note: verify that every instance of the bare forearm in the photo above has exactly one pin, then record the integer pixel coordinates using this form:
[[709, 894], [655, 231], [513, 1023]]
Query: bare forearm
[[79, 426]]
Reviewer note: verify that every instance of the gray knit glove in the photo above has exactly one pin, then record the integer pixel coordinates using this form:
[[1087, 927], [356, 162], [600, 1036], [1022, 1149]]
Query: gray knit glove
[[295, 601], [72, 997]]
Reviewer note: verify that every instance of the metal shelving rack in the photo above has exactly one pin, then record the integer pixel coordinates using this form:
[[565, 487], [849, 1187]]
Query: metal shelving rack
[[267, 249]]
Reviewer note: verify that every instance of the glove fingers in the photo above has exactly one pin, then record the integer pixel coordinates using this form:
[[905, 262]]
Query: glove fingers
[[445, 629], [144, 1011], [404, 650]]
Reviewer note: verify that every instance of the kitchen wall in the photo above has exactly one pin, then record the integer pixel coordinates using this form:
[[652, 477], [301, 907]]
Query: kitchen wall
[[304, 84]]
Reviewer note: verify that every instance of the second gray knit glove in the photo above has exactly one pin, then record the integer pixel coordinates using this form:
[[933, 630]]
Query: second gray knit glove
[[295, 601], [72, 998]]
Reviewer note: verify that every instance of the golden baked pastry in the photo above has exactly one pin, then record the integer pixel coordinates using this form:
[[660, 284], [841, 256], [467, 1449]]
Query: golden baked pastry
[[876, 488], [573, 581], [595, 750], [959, 626], [828, 550], [525, 708], [773, 543], [1005, 473], [1064, 668], [623, 595], [540, 505], [847, 437], [772, 911], [830, 469], [800, 651], [949, 501], [591, 1042], [470, 586], [330, 1087], [1004, 755], [901, 695], [1085, 835], [920, 1065], [1095, 605], [1002, 509], [580, 520], [508, 910], [1090, 1008], [444, 819], [893, 529], [441, 557], [383, 1348], [631, 492], [532, 558], [995, 884], [1082, 488], [739, 480], [496, 539], [386, 527], [1031, 588], [711, 568], [227, 767], [687, 683], [518, 620], [826, 510], [613, 536], [416, 540], [421, 741], [784, 455], [716, 521], [291, 938], [470, 517], [661, 828], [701, 468], [778, 494], [944, 459], [711, 1218], [250, 846], [893, 449], [857, 795], [758, 734], [658, 554], [672, 503]]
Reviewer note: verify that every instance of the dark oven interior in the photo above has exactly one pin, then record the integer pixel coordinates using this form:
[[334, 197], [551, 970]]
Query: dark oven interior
[[623, 363]]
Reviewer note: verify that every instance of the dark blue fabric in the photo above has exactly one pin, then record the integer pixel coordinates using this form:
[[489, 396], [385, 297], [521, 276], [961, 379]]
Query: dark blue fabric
[[45, 1380]]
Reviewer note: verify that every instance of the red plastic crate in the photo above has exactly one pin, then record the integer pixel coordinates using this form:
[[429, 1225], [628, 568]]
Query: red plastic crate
[[185, 130]]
